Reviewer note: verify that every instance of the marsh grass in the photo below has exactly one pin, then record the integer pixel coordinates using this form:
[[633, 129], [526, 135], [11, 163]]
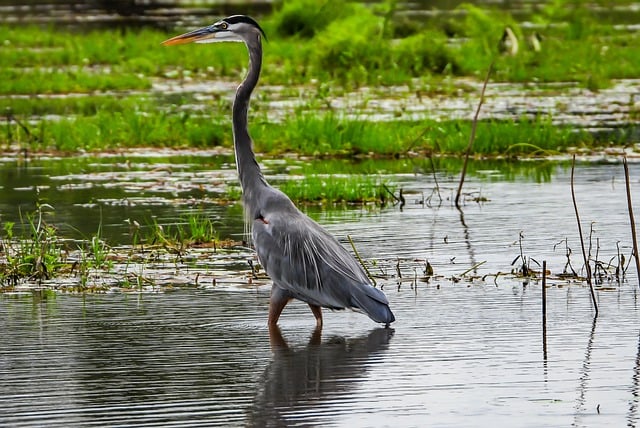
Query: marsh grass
[[333, 189], [331, 46], [39, 81], [575, 46], [100, 251], [198, 230], [349, 43], [33, 252], [305, 134], [118, 129], [36, 254], [329, 135], [193, 229], [83, 105]]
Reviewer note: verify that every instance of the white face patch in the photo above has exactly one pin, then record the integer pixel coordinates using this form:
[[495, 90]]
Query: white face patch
[[227, 35]]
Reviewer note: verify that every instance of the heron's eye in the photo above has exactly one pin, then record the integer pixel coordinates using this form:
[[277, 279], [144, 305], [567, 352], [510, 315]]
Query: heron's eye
[[224, 25]]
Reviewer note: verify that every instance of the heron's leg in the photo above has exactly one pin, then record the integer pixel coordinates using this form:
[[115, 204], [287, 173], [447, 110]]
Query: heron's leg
[[317, 312], [279, 299]]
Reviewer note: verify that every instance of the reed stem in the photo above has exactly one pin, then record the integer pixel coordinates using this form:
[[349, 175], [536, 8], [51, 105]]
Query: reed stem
[[472, 137], [631, 218], [584, 254]]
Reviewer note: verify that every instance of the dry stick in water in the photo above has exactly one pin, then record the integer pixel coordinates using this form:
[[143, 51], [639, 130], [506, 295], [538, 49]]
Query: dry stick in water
[[435, 178], [473, 267], [544, 309], [631, 217], [584, 254], [472, 137], [355, 250]]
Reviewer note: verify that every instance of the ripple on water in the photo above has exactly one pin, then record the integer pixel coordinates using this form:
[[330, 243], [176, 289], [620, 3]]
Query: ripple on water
[[457, 355]]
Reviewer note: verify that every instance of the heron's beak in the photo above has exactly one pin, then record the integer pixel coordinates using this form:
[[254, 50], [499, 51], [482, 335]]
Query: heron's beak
[[201, 34]]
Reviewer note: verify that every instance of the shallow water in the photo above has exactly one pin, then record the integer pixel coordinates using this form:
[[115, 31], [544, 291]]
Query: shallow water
[[458, 355], [609, 109], [524, 204], [81, 14], [467, 350]]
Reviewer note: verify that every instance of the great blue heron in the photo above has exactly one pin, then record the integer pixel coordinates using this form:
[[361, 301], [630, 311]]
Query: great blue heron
[[302, 259]]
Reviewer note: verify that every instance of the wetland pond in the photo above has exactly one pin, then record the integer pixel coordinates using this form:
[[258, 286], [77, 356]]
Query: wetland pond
[[467, 348], [188, 344]]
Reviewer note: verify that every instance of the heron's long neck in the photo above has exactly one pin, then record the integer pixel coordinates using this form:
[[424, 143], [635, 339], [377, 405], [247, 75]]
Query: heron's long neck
[[250, 175]]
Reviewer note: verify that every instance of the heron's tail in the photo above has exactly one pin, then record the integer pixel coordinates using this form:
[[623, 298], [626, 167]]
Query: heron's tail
[[372, 302]]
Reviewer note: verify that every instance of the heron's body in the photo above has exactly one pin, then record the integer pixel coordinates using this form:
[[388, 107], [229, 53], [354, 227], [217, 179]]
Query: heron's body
[[302, 259]]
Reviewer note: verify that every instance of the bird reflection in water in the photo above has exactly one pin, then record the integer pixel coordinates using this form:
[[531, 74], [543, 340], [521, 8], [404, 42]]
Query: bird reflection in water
[[298, 381]]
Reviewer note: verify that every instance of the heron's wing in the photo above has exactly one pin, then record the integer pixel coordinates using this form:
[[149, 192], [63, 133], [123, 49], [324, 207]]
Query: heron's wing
[[305, 260], [301, 257]]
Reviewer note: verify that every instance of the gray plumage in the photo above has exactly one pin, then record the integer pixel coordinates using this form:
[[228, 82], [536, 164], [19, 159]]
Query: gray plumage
[[302, 259]]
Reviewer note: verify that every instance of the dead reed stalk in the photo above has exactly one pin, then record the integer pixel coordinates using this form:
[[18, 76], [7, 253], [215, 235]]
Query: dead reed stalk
[[472, 137], [544, 295], [364, 266], [584, 254], [544, 309], [631, 217]]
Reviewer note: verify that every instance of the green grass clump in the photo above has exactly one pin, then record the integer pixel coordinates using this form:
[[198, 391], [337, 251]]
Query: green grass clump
[[192, 229], [81, 105], [36, 254], [353, 47], [332, 189], [198, 229], [425, 53]]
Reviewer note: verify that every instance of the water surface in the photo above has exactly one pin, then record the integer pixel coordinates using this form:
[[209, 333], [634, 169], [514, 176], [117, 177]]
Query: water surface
[[467, 348], [458, 355]]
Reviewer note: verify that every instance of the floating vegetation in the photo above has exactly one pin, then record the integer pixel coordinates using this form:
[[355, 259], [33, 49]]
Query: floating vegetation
[[190, 254], [332, 71], [38, 256]]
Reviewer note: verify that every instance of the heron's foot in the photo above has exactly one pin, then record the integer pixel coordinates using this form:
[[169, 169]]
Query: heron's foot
[[317, 312], [276, 305]]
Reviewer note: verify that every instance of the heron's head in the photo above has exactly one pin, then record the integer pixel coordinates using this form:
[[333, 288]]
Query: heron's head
[[236, 28]]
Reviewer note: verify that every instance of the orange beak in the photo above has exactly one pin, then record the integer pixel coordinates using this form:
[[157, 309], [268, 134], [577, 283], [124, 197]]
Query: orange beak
[[204, 33]]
